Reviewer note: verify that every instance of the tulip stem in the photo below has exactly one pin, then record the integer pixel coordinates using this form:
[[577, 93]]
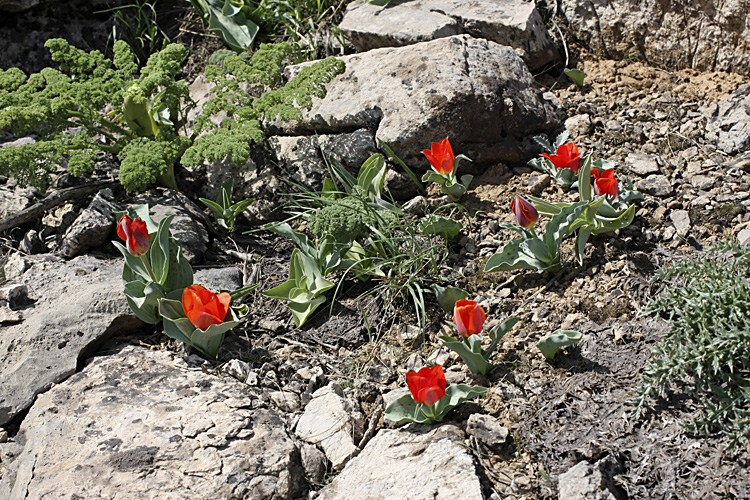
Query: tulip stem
[[148, 268]]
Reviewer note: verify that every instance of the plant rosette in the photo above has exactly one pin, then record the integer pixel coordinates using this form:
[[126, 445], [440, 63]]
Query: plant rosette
[[429, 399], [560, 160], [608, 205], [154, 265], [469, 319], [200, 320], [224, 211], [444, 164]]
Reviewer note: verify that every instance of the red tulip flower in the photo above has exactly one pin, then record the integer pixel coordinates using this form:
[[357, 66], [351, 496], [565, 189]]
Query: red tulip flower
[[468, 317], [427, 385], [441, 156], [203, 307], [605, 183], [135, 234], [567, 157], [526, 213]]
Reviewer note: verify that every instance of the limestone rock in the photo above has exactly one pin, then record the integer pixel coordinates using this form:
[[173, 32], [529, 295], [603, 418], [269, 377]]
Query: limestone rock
[[75, 304], [477, 92], [139, 425], [656, 185], [681, 221], [642, 164], [512, 22], [719, 34], [92, 228], [186, 226], [486, 429], [411, 463], [729, 121], [583, 482], [331, 422]]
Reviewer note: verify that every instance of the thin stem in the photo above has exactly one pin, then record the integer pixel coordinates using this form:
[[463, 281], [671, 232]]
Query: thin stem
[[149, 268]]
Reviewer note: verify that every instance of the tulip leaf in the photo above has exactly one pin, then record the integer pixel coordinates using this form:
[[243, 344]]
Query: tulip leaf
[[466, 179], [624, 219], [559, 227], [143, 299], [180, 273], [378, 3], [405, 409], [471, 354], [159, 250], [552, 343], [513, 257], [439, 225], [133, 265], [448, 296], [584, 179], [581, 238], [546, 208], [454, 396], [179, 327], [432, 176], [497, 333], [576, 76], [454, 190]]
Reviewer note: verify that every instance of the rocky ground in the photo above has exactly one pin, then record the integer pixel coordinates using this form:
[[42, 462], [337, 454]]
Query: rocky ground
[[547, 429]]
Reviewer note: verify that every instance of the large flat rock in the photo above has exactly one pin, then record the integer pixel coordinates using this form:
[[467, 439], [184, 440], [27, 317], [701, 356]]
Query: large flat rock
[[477, 92], [508, 22], [72, 305], [141, 425], [411, 463]]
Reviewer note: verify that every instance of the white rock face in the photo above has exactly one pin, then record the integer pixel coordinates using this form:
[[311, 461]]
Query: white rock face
[[477, 92], [717, 35], [141, 425], [411, 463], [508, 22], [331, 422]]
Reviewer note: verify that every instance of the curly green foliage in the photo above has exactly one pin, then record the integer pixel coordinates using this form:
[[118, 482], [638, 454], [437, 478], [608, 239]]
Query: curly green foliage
[[158, 78], [345, 220], [233, 140], [236, 78], [145, 161], [706, 352], [31, 163], [285, 102]]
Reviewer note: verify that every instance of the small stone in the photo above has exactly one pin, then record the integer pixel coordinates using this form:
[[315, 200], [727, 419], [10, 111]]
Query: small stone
[[14, 296], [3, 436], [32, 243], [681, 221], [642, 164], [238, 369], [702, 182], [314, 462], [486, 429], [655, 185], [285, 400], [8, 316], [743, 236], [583, 482], [535, 185], [439, 357], [579, 125]]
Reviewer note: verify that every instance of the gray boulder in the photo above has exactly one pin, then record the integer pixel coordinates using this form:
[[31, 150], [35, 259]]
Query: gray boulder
[[75, 304], [142, 425], [717, 36], [477, 92], [510, 22], [411, 463], [729, 121], [92, 228]]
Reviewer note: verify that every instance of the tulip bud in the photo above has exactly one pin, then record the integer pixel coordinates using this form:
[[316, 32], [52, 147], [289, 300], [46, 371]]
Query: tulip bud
[[441, 156], [135, 234], [468, 317], [526, 213]]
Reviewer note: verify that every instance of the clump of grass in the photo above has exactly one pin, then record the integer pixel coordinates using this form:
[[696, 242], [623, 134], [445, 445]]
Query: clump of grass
[[706, 352]]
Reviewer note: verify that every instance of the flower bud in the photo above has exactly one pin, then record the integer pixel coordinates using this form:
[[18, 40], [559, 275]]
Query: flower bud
[[468, 317], [427, 385], [135, 234], [526, 213]]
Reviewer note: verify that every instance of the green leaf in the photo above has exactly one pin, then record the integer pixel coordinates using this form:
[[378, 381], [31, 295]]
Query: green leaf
[[141, 211], [454, 396], [237, 31], [546, 208], [216, 209], [159, 251], [371, 176], [178, 327], [455, 190], [581, 238], [515, 255], [624, 219], [448, 296], [432, 176], [398, 160], [576, 76], [466, 179], [132, 263], [497, 333], [470, 354], [552, 343], [439, 225], [584, 179], [378, 3], [143, 300], [180, 273], [405, 409]]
